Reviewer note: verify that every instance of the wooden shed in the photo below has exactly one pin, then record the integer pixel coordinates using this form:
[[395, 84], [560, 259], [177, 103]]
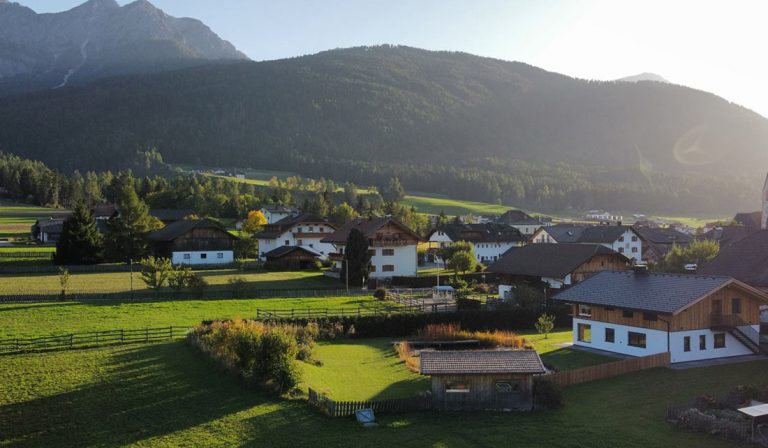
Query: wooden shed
[[291, 257], [468, 380]]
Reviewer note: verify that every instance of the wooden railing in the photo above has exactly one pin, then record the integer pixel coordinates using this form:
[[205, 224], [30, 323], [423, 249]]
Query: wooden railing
[[725, 321], [69, 341], [609, 370], [333, 408]]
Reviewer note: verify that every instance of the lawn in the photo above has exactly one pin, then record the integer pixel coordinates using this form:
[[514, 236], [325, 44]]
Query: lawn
[[104, 282], [42, 319], [167, 395], [16, 220], [555, 353], [433, 205]]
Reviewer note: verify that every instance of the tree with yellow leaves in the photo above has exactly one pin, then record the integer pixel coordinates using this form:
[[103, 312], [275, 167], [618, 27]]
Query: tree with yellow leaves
[[254, 222]]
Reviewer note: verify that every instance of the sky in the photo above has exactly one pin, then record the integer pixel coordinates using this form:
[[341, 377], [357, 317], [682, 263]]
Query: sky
[[717, 46]]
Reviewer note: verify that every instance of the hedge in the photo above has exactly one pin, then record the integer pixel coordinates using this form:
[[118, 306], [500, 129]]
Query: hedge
[[430, 281]]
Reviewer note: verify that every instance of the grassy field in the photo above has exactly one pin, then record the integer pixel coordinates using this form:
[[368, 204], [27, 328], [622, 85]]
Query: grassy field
[[102, 282], [42, 319], [167, 395], [17, 219]]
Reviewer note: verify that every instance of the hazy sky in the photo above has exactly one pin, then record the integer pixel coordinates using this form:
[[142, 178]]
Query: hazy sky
[[715, 46]]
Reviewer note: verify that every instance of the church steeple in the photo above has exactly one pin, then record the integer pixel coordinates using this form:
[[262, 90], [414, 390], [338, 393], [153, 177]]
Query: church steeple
[[764, 219]]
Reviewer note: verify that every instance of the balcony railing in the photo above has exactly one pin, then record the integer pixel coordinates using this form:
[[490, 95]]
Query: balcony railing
[[726, 321]]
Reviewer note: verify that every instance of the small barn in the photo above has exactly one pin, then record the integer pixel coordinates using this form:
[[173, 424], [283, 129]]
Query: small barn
[[193, 242], [291, 258], [468, 380]]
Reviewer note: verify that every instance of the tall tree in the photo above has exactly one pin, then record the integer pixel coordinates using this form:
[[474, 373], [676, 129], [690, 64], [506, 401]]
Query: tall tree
[[127, 231], [356, 257], [80, 241], [394, 191]]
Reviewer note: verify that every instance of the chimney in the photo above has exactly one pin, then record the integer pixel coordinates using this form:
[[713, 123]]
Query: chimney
[[640, 269]]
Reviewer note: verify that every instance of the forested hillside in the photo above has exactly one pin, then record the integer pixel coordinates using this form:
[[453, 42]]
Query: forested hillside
[[452, 123]]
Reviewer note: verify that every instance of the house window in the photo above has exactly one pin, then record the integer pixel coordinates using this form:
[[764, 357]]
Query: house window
[[220, 255], [187, 256], [634, 250], [621, 239], [373, 268], [610, 335], [287, 243], [585, 311], [456, 387], [719, 340], [687, 344], [703, 342], [608, 308], [621, 250], [203, 256], [372, 252], [388, 268], [299, 242], [736, 306], [627, 314], [650, 317], [387, 252], [636, 339], [507, 386], [298, 229], [584, 333], [311, 229], [634, 239]]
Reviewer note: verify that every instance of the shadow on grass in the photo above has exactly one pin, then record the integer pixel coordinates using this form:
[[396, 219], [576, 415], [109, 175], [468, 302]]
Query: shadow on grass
[[567, 358], [144, 392]]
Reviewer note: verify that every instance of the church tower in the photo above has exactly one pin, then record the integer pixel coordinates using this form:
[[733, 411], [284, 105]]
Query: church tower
[[764, 219]]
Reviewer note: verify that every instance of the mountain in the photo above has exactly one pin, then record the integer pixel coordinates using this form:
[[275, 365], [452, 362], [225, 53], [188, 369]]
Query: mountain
[[98, 39], [440, 119], [644, 77]]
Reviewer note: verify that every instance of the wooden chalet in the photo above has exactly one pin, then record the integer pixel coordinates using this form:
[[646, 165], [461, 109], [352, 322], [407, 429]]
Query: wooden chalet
[[467, 380], [291, 258], [194, 242]]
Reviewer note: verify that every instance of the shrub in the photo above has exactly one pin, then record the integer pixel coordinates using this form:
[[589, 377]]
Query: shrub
[[155, 272], [450, 332], [546, 394], [179, 277], [380, 293], [468, 304], [545, 324], [483, 288], [406, 355]]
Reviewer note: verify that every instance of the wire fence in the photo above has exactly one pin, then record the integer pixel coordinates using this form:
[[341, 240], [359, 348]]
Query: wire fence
[[70, 341]]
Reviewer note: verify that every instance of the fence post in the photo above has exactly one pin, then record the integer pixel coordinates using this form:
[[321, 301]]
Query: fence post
[[146, 335], [17, 344], [170, 332], [71, 339], [122, 336]]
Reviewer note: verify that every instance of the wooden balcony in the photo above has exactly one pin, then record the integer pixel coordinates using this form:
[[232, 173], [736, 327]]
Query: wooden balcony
[[725, 322]]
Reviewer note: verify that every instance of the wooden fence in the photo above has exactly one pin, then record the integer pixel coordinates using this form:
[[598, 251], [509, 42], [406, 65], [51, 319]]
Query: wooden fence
[[609, 370], [28, 254], [333, 408], [341, 312], [89, 339]]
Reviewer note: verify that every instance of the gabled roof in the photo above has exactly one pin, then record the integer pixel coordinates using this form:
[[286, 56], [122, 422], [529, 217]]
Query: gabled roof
[[479, 362], [104, 210], [368, 226], [745, 260], [285, 250], [518, 217], [577, 233], [274, 230], [649, 291], [50, 225], [179, 228], [728, 235], [750, 219], [481, 233], [662, 235], [549, 260], [565, 233], [280, 209]]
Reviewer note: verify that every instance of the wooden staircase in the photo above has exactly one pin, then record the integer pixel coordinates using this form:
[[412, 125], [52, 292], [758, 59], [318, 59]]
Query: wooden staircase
[[741, 330], [756, 348]]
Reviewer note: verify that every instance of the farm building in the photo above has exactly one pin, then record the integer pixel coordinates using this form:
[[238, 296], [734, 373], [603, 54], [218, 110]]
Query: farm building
[[305, 230], [640, 313], [557, 265], [465, 380], [489, 240], [194, 242], [657, 241], [291, 258]]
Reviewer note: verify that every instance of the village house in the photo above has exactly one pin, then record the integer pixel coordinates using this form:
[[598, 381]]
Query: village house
[[525, 223], [745, 260], [48, 230], [467, 380], [193, 242], [274, 213], [305, 230], [657, 241], [641, 313], [489, 240], [556, 265], [622, 239], [392, 245]]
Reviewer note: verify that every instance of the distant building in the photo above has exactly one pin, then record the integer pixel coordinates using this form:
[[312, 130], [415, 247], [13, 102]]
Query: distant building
[[274, 213], [48, 231], [305, 230], [727, 235], [476, 380], [489, 240], [392, 245], [523, 222], [622, 239], [657, 241], [556, 265], [640, 313], [745, 260], [193, 242]]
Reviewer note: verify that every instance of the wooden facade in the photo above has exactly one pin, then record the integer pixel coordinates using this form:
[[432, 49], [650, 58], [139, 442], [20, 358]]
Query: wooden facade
[[203, 238], [729, 306], [391, 234], [297, 259], [596, 264], [501, 392]]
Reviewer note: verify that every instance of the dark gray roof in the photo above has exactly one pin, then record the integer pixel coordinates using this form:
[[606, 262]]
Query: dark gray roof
[[750, 219], [745, 260], [179, 228], [478, 362], [727, 235], [518, 217], [481, 233], [662, 235], [284, 250], [276, 229], [549, 260], [649, 291], [576, 233], [565, 233], [171, 214]]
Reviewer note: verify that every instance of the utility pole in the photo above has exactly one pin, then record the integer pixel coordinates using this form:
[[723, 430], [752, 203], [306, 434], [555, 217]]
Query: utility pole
[[130, 268], [437, 260], [346, 266]]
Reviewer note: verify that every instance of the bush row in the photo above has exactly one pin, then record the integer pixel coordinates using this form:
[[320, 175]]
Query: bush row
[[430, 281]]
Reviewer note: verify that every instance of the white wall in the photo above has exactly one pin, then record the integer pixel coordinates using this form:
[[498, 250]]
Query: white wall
[[404, 260], [196, 257], [629, 248], [656, 342], [527, 229], [310, 242], [543, 237], [489, 252], [439, 239]]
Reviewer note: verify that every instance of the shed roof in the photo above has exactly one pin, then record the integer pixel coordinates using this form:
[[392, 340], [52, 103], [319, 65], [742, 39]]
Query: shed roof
[[548, 260], [649, 291], [171, 214], [179, 228], [285, 250], [479, 362]]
